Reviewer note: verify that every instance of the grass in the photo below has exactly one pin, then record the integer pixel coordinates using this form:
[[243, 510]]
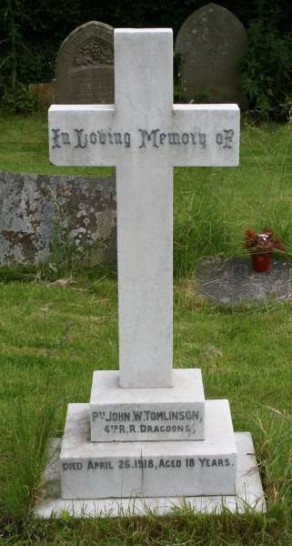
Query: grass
[[213, 207], [52, 339], [54, 335], [24, 147]]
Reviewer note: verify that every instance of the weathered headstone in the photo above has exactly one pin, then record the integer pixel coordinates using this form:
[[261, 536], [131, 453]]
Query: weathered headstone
[[152, 432], [85, 75], [49, 217], [210, 45], [84, 66]]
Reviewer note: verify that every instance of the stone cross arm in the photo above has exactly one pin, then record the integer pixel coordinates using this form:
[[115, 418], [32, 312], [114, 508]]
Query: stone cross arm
[[186, 135]]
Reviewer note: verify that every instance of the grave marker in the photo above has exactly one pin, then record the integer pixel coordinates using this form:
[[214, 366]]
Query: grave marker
[[152, 432], [84, 65], [211, 44]]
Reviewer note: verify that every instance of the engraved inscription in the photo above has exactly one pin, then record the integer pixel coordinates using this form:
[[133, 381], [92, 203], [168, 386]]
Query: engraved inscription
[[147, 422], [101, 465], [95, 51], [149, 429], [224, 138], [102, 137], [149, 463], [157, 138], [154, 138], [147, 415]]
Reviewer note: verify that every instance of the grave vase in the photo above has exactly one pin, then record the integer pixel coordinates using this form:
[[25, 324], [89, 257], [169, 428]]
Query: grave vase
[[261, 262]]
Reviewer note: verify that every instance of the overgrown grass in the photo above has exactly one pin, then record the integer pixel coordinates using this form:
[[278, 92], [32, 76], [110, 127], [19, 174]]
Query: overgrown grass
[[52, 339], [213, 207]]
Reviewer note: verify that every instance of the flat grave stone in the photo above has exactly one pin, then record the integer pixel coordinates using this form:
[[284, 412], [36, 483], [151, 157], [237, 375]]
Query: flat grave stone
[[232, 280], [249, 493]]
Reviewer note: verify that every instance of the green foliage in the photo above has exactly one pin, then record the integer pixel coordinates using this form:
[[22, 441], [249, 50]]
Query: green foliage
[[33, 30], [267, 68], [200, 227], [12, 42], [36, 63], [18, 100], [25, 453]]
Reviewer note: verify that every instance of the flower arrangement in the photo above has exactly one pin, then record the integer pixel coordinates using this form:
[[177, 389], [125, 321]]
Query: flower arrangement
[[262, 243]]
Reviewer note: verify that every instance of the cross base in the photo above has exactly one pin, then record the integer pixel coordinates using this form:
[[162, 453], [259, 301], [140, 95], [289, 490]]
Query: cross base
[[95, 470], [248, 495], [139, 414]]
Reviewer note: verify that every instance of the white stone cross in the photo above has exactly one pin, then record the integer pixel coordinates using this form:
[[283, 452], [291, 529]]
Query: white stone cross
[[144, 135]]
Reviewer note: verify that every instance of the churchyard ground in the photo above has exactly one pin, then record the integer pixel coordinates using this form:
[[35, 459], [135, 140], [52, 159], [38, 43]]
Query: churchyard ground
[[55, 331]]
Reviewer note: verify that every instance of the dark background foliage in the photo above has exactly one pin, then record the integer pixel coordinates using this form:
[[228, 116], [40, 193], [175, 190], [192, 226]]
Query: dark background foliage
[[31, 32]]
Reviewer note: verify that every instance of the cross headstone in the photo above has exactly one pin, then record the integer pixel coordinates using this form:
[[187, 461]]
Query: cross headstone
[[144, 135], [146, 442]]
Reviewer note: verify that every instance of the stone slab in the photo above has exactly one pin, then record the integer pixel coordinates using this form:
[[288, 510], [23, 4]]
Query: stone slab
[[174, 413], [44, 215], [232, 280], [148, 469], [249, 493]]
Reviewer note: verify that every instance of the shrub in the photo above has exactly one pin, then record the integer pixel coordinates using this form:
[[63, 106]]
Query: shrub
[[18, 100], [267, 69]]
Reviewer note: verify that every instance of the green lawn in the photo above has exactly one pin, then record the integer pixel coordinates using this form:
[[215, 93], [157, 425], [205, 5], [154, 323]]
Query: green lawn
[[24, 147], [52, 337]]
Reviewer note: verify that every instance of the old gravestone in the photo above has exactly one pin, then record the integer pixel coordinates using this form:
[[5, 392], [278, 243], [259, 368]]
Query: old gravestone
[[84, 66], [85, 75], [211, 44], [50, 217], [148, 431]]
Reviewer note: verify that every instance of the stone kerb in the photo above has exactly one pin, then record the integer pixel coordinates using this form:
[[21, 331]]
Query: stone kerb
[[47, 214]]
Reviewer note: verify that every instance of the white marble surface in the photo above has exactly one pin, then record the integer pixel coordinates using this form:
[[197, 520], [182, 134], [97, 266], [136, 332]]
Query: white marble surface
[[173, 413], [249, 494], [148, 469], [144, 135]]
